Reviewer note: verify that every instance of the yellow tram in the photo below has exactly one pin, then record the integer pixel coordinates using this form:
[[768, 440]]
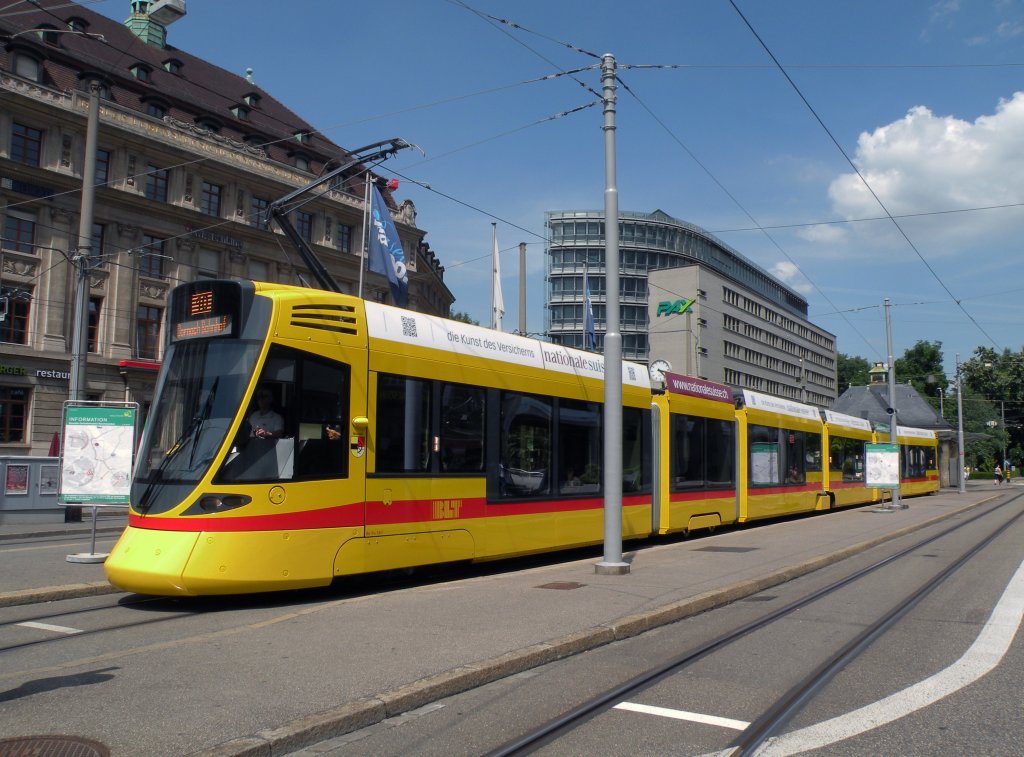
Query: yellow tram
[[299, 435]]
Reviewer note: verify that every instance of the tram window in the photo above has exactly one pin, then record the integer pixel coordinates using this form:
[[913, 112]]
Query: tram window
[[273, 458], [720, 443], [525, 452], [403, 425], [801, 452], [579, 447], [462, 428], [686, 450], [323, 420], [846, 457], [913, 459], [763, 445], [636, 462]]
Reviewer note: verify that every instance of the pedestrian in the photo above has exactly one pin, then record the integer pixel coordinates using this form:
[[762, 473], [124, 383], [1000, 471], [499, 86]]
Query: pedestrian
[[999, 475]]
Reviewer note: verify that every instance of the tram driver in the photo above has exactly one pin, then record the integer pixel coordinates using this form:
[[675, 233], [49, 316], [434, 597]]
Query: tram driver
[[264, 421]]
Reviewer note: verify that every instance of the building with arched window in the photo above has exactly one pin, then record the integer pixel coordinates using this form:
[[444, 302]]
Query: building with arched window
[[189, 156]]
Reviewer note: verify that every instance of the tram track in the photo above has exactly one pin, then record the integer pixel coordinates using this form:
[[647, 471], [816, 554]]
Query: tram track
[[42, 620], [778, 713]]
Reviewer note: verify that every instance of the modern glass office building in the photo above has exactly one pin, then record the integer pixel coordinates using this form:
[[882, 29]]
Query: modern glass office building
[[770, 345]]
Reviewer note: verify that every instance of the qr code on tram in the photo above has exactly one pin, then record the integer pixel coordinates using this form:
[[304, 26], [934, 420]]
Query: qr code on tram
[[408, 326]]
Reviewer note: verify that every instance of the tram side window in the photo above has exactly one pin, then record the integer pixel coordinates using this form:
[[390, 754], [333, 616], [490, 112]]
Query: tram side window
[[636, 457], [323, 420], [913, 460], [801, 454], [686, 450], [525, 451], [763, 449], [702, 453], [846, 456], [579, 447], [267, 458], [403, 425], [720, 443], [462, 428]]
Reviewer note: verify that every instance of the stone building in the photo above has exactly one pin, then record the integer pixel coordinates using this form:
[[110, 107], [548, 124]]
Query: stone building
[[189, 157]]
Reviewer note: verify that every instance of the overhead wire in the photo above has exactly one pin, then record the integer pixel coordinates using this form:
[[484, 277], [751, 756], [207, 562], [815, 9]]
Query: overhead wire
[[860, 175], [736, 202]]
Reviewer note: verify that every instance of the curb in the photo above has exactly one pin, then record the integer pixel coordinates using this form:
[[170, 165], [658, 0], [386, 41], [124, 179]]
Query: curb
[[53, 593], [77, 531], [360, 713]]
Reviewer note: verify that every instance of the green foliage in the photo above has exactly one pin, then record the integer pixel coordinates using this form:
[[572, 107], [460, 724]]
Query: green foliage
[[996, 383], [464, 317], [851, 371], [921, 367]]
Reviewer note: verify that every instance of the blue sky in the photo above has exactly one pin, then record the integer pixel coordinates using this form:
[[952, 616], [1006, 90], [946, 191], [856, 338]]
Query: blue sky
[[926, 99]]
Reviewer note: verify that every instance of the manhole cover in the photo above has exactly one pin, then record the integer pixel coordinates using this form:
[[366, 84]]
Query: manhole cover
[[52, 746], [563, 585]]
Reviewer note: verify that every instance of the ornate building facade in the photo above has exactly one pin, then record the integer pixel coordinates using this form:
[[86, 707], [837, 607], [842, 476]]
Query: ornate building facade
[[188, 159]]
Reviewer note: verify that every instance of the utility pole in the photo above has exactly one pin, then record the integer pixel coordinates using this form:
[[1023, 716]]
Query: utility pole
[[1002, 414], [83, 257], [612, 564], [893, 423], [960, 429]]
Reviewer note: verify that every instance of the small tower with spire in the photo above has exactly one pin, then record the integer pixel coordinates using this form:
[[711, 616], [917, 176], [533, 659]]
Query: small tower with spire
[[879, 374], [149, 20]]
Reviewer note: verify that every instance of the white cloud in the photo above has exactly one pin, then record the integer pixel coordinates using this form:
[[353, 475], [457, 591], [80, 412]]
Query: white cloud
[[789, 274], [925, 163], [823, 234]]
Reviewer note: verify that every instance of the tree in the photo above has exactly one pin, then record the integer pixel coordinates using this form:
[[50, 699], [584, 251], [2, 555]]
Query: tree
[[997, 380], [851, 371], [921, 367], [464, 317]]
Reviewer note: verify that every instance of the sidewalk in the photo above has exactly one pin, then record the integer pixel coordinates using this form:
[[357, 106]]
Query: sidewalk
[[28, 577]]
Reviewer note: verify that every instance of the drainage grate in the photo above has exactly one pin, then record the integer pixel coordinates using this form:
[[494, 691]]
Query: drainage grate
[[560, 585], [760, 598], [52, 746], [726, 549]]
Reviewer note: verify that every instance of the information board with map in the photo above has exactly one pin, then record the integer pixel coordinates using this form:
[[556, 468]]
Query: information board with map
[[96, 464], [883, 466]]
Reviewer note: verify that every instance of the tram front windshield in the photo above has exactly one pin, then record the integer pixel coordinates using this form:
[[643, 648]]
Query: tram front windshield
[[199, 397]]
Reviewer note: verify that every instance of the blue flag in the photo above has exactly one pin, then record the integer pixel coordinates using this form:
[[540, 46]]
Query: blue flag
[[385, 250], [589, 336]]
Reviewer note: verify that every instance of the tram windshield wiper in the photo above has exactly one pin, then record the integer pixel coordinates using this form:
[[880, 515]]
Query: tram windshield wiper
[[200, 421]]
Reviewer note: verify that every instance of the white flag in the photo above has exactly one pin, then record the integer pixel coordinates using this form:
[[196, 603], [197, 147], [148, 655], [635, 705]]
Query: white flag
[[497, 301]]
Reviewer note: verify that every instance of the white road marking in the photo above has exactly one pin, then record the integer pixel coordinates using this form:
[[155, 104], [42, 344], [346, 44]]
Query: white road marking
[[694, 717], [48, 627], [985, 654]]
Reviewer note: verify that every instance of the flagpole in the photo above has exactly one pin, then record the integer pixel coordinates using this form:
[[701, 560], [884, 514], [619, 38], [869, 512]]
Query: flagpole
[[497, 308], [366, 232], [586, 296]]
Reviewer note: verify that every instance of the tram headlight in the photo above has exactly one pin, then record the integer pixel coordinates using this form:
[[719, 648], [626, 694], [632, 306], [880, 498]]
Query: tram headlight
[[217, 503]]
